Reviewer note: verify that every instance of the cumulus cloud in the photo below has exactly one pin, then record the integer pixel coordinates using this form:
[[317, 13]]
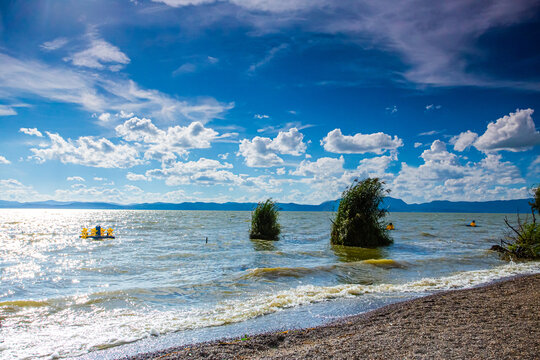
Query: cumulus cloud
[[323, 167], [203, 172], [464, 140], [289, 142], [87, 151], [75, 178], [137, 177], [442, 176], [376, 143], [32, 131], [514, 132], [164, 145], [417, 144], [375, 167], [262, 151], [257, 152], [4, 161]]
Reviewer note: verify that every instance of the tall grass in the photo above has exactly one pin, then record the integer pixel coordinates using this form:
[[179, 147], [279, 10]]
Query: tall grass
[[359, 219], [523, 240], [264, 221]]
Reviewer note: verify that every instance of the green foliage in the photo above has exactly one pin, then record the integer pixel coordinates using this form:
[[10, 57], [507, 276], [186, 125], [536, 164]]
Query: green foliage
[[264, 223], [358, 221], [523, 242]]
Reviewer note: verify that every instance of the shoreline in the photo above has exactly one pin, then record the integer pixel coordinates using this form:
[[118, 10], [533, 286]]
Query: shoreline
[[497, 320]]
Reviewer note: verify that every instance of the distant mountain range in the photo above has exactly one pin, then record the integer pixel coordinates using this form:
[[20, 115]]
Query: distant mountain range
[[393, 205]]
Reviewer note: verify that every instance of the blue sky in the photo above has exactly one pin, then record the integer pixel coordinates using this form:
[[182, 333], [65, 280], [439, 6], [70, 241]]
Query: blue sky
[[240, 100]]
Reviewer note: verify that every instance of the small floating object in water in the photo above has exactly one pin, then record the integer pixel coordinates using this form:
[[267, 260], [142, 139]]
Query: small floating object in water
[[97, 233], [390, 227], [472, 224]]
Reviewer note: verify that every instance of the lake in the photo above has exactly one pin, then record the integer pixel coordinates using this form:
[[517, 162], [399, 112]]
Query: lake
[[63, 296]]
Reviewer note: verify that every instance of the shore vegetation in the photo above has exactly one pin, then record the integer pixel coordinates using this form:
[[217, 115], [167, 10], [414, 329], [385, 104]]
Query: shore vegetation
[[523, 239], [359, 220], [264, 221]]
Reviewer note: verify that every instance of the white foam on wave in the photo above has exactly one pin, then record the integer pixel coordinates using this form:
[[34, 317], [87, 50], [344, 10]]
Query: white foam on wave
[[70, 333]]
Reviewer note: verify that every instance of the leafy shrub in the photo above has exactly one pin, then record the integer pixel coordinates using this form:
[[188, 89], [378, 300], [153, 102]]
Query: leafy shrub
[[358, 221], [264, 223], [523, 242]]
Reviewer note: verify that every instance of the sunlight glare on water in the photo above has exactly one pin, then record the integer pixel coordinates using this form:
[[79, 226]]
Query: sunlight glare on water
[[63, 295]]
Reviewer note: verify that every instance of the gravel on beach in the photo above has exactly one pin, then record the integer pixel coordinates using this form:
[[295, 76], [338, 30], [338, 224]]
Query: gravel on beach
[[497, 321]]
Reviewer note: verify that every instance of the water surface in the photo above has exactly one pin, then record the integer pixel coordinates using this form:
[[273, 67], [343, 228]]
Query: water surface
[[63, 296]]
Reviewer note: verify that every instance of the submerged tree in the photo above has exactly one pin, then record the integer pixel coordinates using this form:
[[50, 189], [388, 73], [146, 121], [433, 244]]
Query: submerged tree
[[358, 221], [264, 223], [523, 240]]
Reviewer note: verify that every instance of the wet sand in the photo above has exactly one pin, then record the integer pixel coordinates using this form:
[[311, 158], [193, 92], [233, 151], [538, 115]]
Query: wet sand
[[497, 321]]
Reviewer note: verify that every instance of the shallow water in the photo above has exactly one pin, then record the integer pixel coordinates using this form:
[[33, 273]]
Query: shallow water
[[65, 296]]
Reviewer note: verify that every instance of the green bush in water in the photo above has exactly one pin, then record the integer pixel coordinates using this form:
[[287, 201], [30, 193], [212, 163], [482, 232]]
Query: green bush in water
[[358, 221], [264, 223], [523, 242]]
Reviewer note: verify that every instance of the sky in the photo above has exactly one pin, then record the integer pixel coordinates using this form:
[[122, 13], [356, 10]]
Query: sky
[[241, 100]]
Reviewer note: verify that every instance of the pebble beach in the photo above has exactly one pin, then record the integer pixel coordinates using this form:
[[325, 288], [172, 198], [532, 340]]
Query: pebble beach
[[497, 321]]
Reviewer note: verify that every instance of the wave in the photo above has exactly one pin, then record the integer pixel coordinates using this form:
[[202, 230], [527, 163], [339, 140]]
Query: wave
[[117, 326]]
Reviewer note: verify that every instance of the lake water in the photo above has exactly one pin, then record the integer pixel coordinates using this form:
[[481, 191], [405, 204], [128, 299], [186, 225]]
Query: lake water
[[62, 296]]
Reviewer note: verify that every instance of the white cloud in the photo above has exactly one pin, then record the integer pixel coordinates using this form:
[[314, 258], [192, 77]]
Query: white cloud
[[180, 3], [534, 167], [289, 142], [4, 161], [431, 107], [463, 140], [376, 143], [54, 44], [280, 171], [7, 110], [392, 110], [105, 117], [262, 151], [203, 172], [257, 152], [375, 167], [96, 178], [514, 132], [13, 190], [87, 151], [417, 144], [32, 131], [429, 133], [99, 93], [268, 57], [185, 69], [323, 167], [436, 41], [261, 116], [137, 177], [75, 178], [136, 129], [223, 156], [99, 54], [164, 145], [442, 177]]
